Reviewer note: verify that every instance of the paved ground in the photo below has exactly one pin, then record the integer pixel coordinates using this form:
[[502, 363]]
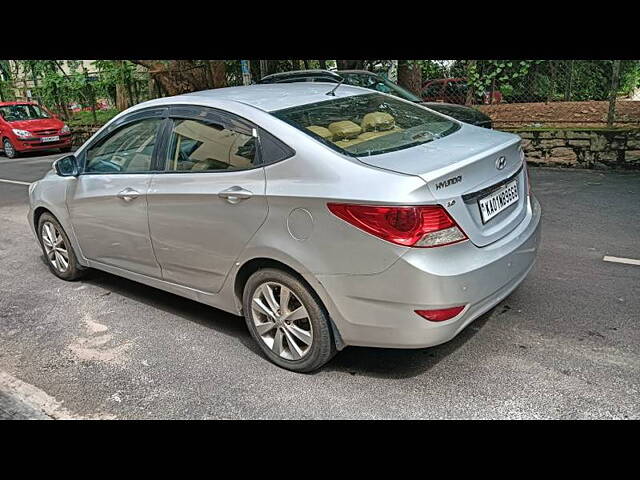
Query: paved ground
[[565, 344]]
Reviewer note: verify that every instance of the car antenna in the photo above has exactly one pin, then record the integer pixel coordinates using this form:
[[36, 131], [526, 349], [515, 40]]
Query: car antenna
[[332, 91]]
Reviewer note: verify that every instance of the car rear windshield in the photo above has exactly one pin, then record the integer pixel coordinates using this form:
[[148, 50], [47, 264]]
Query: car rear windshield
[[16, 113], [365, 125]]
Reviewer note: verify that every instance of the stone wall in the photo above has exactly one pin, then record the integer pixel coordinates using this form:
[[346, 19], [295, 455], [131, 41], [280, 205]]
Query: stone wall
[[82, 133], [582, 148]]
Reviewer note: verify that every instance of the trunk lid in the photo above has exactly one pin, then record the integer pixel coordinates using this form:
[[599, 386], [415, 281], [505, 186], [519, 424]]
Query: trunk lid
[[461, 168]]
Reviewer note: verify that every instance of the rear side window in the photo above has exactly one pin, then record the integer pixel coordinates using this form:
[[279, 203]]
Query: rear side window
[[271, 149], [201, 146], [372, 124]]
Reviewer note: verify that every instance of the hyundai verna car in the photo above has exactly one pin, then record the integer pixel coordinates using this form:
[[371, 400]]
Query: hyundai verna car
[[27, 126], [327, 215]]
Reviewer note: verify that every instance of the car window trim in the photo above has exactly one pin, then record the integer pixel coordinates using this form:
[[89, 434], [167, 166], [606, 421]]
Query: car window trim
[[136, 116]]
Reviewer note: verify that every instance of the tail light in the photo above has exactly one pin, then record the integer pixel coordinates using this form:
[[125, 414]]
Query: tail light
[[412, 226], [440, 315]]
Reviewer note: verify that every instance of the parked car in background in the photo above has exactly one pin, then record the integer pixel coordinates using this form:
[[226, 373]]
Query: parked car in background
[[76, 107], [327, 215], [301, 76], [27, 127], [454, 90], [372, 81]]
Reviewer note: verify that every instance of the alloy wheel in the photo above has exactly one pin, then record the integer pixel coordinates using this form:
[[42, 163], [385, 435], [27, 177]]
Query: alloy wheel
[[54, 246], [8, 149], [282, 321]]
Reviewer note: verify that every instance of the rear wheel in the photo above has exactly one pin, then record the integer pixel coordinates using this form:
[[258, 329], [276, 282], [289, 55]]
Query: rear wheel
[[8, 148], [288, 323], [57, 249]]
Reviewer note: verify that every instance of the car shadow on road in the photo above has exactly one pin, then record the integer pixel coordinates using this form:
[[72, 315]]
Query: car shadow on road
[[371, 362], [190, 310]]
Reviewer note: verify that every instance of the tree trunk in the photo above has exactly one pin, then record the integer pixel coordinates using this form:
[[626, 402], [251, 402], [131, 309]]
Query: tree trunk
[[122, 100], [184, 76], [219, 73], [410, 76], [471, 66], [615, 77], [323, 64]]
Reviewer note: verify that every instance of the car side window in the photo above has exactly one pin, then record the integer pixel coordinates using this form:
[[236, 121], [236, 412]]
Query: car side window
[[127, 150], [204, 145]]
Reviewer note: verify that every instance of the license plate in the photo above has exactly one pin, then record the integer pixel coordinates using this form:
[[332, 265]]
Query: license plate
[[498, 201], [49, 139]]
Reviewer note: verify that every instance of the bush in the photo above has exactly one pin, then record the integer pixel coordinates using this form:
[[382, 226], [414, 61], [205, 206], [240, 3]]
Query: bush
[[82, 119]]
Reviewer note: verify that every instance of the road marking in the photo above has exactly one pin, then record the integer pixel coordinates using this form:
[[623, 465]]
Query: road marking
[[628, 261], [17, 182]]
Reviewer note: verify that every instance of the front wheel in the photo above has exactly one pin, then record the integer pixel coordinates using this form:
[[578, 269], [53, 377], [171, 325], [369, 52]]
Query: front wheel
[[57, 249], [9, 150], [287, 321]]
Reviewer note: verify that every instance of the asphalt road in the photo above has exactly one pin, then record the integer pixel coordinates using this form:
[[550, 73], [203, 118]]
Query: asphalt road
[[565, 344]]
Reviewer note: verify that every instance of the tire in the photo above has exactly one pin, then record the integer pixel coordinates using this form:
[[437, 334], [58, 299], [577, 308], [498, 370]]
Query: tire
[[58, 237], [65, 150], [286, 324], [9, 150]]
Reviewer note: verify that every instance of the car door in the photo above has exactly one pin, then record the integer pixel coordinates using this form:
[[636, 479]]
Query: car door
[[108, 201], [210, 200]]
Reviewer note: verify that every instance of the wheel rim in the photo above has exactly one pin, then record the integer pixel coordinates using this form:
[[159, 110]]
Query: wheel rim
[[8, 149], [54, 246], [281, 321]]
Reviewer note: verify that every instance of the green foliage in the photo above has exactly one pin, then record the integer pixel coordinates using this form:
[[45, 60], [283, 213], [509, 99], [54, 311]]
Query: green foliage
[[552, 80], [86, 118]]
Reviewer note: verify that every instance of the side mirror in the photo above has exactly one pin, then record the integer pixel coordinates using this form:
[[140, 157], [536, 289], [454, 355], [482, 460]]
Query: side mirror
[[67, 166]]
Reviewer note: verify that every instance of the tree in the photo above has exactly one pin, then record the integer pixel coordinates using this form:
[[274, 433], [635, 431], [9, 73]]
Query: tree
[[184, 76], [410, 75]]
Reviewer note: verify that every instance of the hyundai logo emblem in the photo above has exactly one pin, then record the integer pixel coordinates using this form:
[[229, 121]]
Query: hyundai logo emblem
[[501, 162]]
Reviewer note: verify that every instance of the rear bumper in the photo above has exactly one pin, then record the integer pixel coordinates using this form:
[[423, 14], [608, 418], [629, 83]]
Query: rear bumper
[[378, 310]]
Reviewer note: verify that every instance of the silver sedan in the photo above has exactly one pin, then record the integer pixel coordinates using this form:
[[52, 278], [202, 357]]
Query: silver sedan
[[326, 215]]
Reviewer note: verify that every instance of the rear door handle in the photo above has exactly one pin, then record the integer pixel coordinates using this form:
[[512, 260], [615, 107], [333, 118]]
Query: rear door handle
[[128, 194], [235, 194]]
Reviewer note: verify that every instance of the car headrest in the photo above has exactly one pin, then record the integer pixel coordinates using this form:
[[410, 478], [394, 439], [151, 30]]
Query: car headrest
[[345, 129], [378, 121], [322, 131]]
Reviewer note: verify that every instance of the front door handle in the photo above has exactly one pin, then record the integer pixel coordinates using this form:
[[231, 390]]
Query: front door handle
[[235, 194], [128, 194]]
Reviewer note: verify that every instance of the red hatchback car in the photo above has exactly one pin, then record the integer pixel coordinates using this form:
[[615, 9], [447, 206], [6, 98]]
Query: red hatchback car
[[27, 127]]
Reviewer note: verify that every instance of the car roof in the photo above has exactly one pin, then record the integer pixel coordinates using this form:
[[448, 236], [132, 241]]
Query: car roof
[[270, 96]]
